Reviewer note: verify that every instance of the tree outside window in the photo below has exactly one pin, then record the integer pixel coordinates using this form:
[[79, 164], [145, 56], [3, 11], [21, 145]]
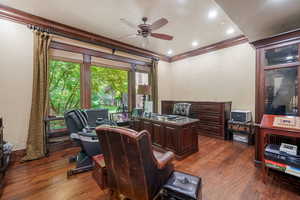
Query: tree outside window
[[109, 88]]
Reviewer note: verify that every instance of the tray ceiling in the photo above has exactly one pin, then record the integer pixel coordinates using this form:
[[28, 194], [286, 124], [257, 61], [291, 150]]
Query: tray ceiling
[[259, 19], [188, 19]]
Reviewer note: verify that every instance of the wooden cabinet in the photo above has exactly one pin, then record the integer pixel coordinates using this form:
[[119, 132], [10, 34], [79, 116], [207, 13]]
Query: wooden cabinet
[[268, 133], [180, 138], [171, 141], [278, 76], [213, 116], [277, 80], [157, 137]]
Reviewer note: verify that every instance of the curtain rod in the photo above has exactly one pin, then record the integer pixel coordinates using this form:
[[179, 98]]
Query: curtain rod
[[113, 48], [38, 28]]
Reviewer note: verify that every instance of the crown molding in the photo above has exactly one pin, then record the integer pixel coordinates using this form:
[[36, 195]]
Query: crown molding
[[279, 38], [213, 47], [22, 17]]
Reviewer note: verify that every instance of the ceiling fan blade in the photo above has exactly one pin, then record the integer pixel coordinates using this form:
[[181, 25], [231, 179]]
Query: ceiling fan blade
[[128, 23], [128, 36], [159, 23], [162, 36]]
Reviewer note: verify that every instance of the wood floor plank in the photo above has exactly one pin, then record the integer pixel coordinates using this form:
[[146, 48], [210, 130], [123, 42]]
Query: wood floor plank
[[226, 168]]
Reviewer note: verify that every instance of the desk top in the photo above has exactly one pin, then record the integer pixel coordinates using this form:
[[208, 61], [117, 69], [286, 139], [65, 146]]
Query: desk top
[[180, 121]]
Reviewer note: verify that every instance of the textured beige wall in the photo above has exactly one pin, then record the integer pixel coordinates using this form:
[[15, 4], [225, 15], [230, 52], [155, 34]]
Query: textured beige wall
[[16, 44], [224, 75], [164, 82]]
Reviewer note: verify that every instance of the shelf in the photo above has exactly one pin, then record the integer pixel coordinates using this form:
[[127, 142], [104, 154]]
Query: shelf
[[283, 168], [240, 132]]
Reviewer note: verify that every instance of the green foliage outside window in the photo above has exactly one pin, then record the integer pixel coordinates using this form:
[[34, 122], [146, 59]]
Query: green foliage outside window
[[109, 88], [64, 86], [64, 89]]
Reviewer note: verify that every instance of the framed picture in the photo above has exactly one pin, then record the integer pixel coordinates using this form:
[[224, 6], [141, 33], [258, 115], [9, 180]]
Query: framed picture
[[137, 112], [119, 117], [147, 114]]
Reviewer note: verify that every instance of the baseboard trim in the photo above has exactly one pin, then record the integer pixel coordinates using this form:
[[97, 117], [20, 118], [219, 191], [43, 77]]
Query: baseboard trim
[[17, 155]]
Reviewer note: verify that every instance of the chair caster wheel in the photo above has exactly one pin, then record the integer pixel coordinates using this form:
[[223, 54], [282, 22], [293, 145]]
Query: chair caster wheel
[[72, 159], [69, 173]]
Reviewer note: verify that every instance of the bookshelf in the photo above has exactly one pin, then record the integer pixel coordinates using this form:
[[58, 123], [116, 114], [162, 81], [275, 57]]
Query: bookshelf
[[270, 127]]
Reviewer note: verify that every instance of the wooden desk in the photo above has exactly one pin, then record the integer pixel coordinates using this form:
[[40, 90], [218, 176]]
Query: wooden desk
[[178, 136], [213, 116]]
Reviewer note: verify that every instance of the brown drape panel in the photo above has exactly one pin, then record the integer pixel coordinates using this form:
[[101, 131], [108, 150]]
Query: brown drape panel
[[36, 147], [154, 84]]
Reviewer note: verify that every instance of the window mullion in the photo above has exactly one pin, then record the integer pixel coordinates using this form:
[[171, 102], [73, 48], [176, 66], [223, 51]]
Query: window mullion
[[85, 82]]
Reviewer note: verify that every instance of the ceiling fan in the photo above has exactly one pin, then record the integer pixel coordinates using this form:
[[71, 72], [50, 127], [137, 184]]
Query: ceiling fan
[[145, 30]]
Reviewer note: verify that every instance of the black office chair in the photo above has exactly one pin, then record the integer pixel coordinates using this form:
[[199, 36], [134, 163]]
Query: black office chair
[[182, 109], [85, 136], [94, 115]]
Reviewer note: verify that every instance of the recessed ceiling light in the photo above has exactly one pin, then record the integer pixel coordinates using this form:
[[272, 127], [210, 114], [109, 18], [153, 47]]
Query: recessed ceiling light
[[230, 31], [181, 1], [195, 43], [169, 52], [212, 14]]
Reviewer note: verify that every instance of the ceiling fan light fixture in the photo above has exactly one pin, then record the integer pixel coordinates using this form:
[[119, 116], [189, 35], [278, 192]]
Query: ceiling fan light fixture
[[170, 52]]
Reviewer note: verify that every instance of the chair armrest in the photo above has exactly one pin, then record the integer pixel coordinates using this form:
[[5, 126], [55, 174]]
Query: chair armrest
[[163, 158]]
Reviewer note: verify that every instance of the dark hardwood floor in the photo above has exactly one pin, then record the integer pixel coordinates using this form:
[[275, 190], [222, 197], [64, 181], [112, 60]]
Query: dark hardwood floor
[[226, 168]]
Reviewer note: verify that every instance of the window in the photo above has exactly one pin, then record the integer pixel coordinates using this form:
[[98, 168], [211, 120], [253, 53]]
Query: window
[[64, 86], [141, 78], [109, 88], [64, 89], [75, 83]]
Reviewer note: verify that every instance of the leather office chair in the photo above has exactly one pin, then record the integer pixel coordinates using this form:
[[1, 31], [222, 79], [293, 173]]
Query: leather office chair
[[134, 169], [182, 109], [95, 114], [85, 136]]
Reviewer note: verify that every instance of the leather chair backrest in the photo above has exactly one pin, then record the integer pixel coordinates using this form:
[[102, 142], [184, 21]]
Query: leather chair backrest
[[182, 109], [94, 114], [131, 167], [83, 117], [75, 120]]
